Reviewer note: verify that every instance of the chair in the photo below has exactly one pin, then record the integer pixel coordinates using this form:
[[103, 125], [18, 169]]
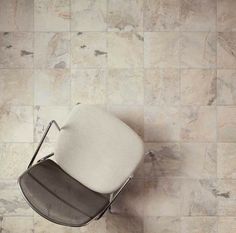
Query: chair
[[95, 156]]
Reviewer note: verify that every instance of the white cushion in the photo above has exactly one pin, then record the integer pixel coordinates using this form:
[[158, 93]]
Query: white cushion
[[97, 149]]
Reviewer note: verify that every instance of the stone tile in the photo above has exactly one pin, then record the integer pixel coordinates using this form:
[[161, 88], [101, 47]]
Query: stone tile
[[46, 149], [125, 86], [198, 50], [125, 49], [191, 80], [226, 153], [88, 15], [88, 86], [199, 198], [12, 202], [162, 197], [16, 50], [17, 15], [87, 54], [226, 50], [162, 225], [226, 224], [198, 15], [161, 124], [226, 18], [52, 50], [161, 15], [161, 50], [16, 124], [199, 224], [17, 224], [43, 115], [198, 123], [125, 15], [52, 87], [14, 158], [226, 87], [52, 15], [226, 124], [161, 87], [16, 87]]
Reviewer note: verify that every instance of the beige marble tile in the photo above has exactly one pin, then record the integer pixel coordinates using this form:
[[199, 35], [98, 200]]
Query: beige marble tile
[[88, 15], [16, 87], [198, 50], [161, 15], [43, 115], [226, 87], [125, 15], [226, 224], [192, 80], [198, 197], [52, 15], [88, 86], [52, 50], [17, 15], [161, 50], [125, 86], [226, 18], [17, 224], [14, 158], [16, 50], [46, 149], [199, 225], [161, 86], [226, 50], [16, 124], [198, 15], [89, 49], [198, 123], [161, 124], [125, 49], [162, 225], [52, 87], [226, 124]]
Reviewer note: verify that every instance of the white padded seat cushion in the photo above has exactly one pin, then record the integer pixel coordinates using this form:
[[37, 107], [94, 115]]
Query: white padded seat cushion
[[97, 149]]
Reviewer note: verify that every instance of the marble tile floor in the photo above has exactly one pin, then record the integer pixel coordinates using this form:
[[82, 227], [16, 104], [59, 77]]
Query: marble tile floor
[[165, 67]]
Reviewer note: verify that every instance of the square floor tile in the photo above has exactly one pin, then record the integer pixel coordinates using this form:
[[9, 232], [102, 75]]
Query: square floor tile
[[226, 224]]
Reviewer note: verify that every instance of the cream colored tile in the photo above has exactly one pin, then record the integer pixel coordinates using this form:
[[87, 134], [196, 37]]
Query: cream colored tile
[[226, 87], [17, 15], [46, 149], [198, 123], [17, 224], [199, 224], [161, 124], [226, 50], [198, 15], [16, 124], [16, 87], [125, 49], [52, 50], [162, 197], [226, 18], [125, 86], [51, 15], [52, 87], [161, 87], [226, 160], [88, 15], [226, 124], [198, 50], [199, 198], [198, 87], [89, 50], [226, 224], [16, 50], [88, 86], [125, 15], [14, 158], [161, 50], [161, 15]]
